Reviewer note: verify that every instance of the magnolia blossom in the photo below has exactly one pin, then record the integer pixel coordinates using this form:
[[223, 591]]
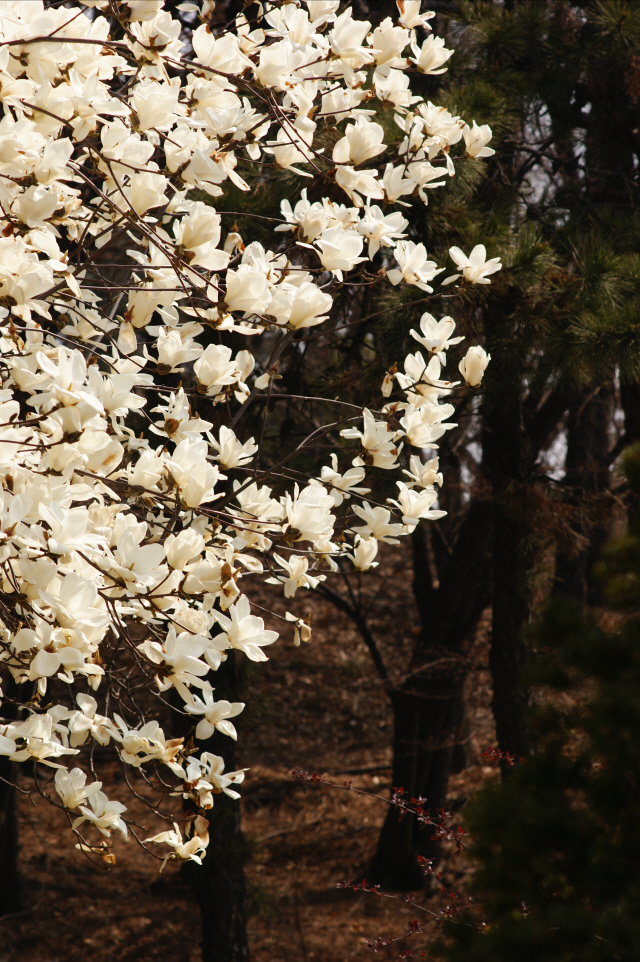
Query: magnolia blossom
[[476, 139], [364, 553], [191, 850], [214, 715], [343, 485], [72, 788], [105, 815], [244, 631], [302, 630], [340, 250], [182, 548], [414, 266], [416, 505], [381, 229], [231, 452], [474, 364], [475, 268], [431, 56], [377, 524], [379, 442], [436, 336], [129, 559], [294, 575], [423, 475], [361, 142], [214, 368]]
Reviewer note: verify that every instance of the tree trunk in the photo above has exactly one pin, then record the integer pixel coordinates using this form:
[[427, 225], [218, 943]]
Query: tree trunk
[[428, 708], [630, 399], [11, 887], [587, 472], [10, 881], [219, 884], [511, 606]]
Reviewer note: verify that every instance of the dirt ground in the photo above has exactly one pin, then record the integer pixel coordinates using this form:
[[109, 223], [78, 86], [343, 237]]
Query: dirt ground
[[319, 707]]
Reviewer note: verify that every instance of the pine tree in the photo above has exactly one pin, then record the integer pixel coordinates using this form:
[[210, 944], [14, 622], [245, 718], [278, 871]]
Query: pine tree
[[558, 843]]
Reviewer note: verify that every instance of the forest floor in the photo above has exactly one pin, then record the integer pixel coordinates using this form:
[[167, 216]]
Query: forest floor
[[321, 708]]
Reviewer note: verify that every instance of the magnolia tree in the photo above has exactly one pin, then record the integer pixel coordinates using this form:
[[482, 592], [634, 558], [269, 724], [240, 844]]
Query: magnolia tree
[[132, 530]]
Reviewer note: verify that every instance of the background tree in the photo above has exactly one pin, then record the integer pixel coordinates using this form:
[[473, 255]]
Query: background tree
[[558, 843]]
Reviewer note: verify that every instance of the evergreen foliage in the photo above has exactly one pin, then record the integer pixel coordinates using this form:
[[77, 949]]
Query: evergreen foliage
[[558, 843]]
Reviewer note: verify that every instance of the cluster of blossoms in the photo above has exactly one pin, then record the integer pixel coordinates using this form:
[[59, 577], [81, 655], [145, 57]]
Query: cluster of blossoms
[[130, 526]]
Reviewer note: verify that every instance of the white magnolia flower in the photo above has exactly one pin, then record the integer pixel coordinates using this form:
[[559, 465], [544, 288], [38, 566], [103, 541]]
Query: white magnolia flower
[[192, 473], [215, 715], [231, 452], [183, 548], [377, 524], [423, 425], [414, 266], [302, 629], [294, 574], [475, 268], [346, 42], [340, 250], [310, 219], [380, 229], [379, 441], [410, 16], [431, 56], [474, 364], [356, 182], [308, 513], [423, 475], [301, 306], [185, 850], [244, 631], [146, 190], [361, 142], [364, 553], [72, 788], [106, 816], [247, 290], [416, 505], [180, 658], [342, 486], [476, 139], [436, 336], [214, 368]]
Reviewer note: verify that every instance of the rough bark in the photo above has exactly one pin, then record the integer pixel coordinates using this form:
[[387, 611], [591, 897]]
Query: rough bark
[[219, 884], [428, 708]]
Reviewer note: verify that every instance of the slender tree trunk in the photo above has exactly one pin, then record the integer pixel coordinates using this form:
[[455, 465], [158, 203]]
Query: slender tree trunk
[[630, 398], [425, 728], [428, 708], [511, 607], [10, 880], [219, 884], [587, 472]]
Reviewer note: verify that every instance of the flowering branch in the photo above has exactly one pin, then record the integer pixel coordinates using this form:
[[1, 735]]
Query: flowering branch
[[135, 505]]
